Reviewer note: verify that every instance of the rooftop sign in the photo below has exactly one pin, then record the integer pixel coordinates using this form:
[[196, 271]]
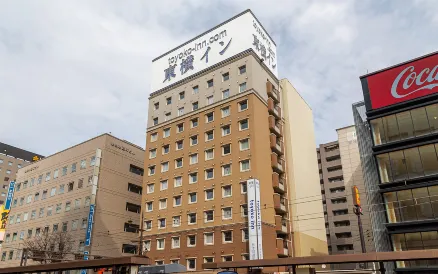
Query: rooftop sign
[[236, 35]]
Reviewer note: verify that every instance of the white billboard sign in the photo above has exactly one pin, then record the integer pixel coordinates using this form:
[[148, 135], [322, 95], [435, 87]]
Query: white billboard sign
[[220, 43], [254, 220]]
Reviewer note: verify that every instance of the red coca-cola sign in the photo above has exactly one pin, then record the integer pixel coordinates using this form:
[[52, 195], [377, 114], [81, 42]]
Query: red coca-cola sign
[[403, 83]]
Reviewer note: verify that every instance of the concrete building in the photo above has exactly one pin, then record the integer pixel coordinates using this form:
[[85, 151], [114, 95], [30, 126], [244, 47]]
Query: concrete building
[[397, 131], [211, 132], [91, 190], [340, 169], [12, 159]]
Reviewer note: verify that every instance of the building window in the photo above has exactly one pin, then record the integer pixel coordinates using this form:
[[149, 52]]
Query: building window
[[193, 177], [242, 69], [128, 248], [149, 206], [244, 210], [80, 183], [182, 95], [133, 208], [243, 187], [209, 100], [209, 194], [70, 186], [209, 173], [176, 221], [162, 223], [154, 137], [152, 153], [208, 259], [194, 122], [163, 204], [243, 105], [191, 264], [243, 124], [177, 181], [83, 164], [337, 189], [174, 261], [195, 106], [165, 167], [180, 111], [48, 176], [67, 206], [180, 128], [194, 140], [64, 227], [227, 213], [136, 170], [74, 225], [226, 191], [226, 170], [57, 209], [151, 170], [225, 112], [193, 158], [177, 200], [160, 244], [29, 199], [191, 217], [208, 216], [209, 117], [165, 149], [166, 132], [167, 116], [92, 160], [209, 154], [227, 258], [226, 149], [209, 135], [193, 198], [179, 163], [340, 212], [175, 242], [155, 121], [227, 236], [163, 185], [191, 240], [53, 191], [208, 238], [148, 225], [226, 130], [195, 90], [225, 76], [225, 94], [73, 167], [156, 106], [244, 165], [168, 100], [242, 87], [210, 83]]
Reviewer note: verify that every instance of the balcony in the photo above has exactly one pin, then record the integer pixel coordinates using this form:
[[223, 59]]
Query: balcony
[[277, 183], [277, 163], [280, 224], [276, 145], [275, 127], [280, 204], [272, 92], [338, 206], [282, 248], [273, 109]]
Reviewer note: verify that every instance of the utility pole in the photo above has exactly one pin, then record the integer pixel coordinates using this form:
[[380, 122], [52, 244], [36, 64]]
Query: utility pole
[[140, 249], [358, 211]]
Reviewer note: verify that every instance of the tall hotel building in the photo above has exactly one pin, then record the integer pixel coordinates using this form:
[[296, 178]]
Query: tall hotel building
[[397, 128], [218, 118]]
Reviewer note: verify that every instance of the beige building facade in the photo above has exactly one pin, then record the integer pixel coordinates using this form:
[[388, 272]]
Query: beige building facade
[[59, 193]]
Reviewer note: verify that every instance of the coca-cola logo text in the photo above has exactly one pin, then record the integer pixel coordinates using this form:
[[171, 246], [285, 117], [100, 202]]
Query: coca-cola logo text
[[423, 80]]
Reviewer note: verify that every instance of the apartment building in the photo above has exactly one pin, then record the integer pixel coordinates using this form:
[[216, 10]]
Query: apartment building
[[397, 125], [210, 134], [91, 191], [340, 169], [11, 160]]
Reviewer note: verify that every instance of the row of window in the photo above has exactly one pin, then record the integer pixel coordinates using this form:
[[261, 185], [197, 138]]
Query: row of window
[[415, 241], [208, 154], [408, 163], [191, 262], [208, 173], [10, 163], [53, 191], [64, 172], [192, 218], [57, 208], [191, 240], [209, 100], [405, 125], [8, 171]]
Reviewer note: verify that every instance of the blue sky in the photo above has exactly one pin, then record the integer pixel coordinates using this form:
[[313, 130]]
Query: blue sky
[[70, 70]]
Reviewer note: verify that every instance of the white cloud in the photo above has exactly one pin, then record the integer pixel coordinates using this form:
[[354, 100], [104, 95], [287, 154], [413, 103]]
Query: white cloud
[[72, 70]]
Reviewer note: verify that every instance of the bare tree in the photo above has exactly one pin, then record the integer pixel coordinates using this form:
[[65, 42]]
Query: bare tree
[[49, 247]]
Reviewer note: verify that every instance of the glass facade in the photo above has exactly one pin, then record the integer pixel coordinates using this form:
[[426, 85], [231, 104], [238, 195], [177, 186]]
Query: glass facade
[[405, 125], [408, 163], [412, 204], [416, 241]]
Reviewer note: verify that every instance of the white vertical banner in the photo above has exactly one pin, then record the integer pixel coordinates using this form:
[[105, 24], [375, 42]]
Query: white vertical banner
[[259, 219], [252, 219]]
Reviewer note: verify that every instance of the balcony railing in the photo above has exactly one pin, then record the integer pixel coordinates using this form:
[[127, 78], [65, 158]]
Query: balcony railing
[[277, 183], [275, 127], [276, 145], [280, 224], [282, 248], [273, 109], [277, 163], [272, 92], [280, 204]]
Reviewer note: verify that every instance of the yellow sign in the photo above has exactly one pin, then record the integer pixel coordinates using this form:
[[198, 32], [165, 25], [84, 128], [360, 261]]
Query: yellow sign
[[35, 158], [356, 196], [4, 214]]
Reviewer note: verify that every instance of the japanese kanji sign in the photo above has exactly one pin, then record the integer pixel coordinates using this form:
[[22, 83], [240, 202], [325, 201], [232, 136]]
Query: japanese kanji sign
[[238, 34]]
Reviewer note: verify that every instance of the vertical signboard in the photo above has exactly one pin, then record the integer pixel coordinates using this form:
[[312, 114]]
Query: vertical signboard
[[254, 220], [89, 226], [4, 210]]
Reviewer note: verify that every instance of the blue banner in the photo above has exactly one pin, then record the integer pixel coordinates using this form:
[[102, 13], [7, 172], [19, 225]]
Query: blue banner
[[10, 195], [90, 226], [86, 255]]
